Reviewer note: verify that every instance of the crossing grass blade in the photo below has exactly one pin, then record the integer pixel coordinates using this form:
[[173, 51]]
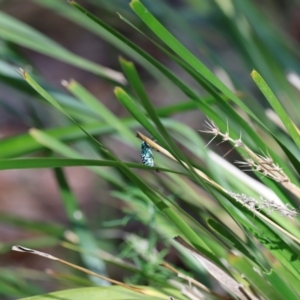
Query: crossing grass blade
[[269, 243], [249, 134], [151, 194], [165, 36], [24, 144], [241, 220], [263, 228], [101, 110], [139, 89], [198, 66]]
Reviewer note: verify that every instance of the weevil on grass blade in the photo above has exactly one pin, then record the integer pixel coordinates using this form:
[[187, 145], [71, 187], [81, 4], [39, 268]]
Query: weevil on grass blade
[[147, 155]]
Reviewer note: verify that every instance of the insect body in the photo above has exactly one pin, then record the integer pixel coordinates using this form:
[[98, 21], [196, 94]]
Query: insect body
[[147, 155]]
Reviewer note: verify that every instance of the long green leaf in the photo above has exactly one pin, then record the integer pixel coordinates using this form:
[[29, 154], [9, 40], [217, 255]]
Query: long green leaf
[[41, 163], [113, 293], [287, 122], [101, 110], [17, 32]]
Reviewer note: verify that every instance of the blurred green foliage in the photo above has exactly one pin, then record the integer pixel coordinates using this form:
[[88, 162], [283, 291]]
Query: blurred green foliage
[[243, 230]]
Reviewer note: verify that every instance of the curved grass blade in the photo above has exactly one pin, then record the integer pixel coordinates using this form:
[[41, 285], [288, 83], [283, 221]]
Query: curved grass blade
[[17, 32], [101, 29], [289, 125], [112, 293]]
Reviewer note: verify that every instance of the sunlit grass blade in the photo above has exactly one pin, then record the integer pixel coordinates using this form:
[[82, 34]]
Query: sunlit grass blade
[[289, 125], [113, 293]]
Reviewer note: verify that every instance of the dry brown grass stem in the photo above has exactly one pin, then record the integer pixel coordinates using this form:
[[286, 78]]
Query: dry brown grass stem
[[84, 270], [263, 164], [191, 281], [168, 154], [213, 183]]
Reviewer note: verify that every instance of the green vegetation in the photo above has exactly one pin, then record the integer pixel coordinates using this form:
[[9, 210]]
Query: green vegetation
[[221, 224]]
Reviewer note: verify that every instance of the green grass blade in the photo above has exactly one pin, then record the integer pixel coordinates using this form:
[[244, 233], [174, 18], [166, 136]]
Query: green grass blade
[[165, 36], [113, 293], [101, 110], [24, 144], [79, 226], [17, 32], [85, 19], [250, 136], [210, 78], [52, 229], [140, 52], [41, 163], [171, 214], [289, 125], [127, 101]]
